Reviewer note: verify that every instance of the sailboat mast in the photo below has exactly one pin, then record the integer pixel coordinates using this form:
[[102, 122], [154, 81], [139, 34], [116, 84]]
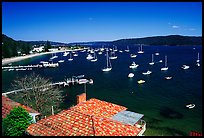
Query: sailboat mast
[[141, 47], [198, 56], [152, 58], [165, 61], [107, 59]]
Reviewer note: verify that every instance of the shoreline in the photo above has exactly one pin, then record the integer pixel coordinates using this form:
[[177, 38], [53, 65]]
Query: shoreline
[[16, 59]]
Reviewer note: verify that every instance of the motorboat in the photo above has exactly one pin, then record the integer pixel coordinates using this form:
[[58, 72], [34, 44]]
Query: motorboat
[[198, 64], [133, 65], [130, 75], [82, 81], [168, 78], [190, 106], [133, 55], [60, 61], [89, 57], [141, 81], [147, 73], [75, 55], [185, 67]]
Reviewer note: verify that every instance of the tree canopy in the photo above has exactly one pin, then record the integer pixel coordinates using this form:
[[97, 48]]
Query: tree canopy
[[16, 122]]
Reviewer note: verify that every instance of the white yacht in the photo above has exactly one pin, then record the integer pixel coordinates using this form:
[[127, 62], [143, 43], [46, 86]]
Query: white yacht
[[152, 63], [147, 73], [130, 75], [127, 50], [133, 55], [89, 57], [60, 61], [113, 56], [185, 67], [140, 50], [198, 60], [108, 64], [70, 58], [133, 65], [65, 54], [165, 67], [95, 58], [141, 81]]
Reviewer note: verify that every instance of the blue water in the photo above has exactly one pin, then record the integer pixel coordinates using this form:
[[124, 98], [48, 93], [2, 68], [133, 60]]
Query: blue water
[[154, 97]]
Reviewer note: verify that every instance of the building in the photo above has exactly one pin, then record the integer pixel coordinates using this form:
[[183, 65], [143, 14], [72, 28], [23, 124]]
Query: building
[[90, 118], [8, 105], [38, 49]]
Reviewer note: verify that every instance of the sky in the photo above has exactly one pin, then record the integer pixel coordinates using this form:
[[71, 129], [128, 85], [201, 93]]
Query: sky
[[99, 21]]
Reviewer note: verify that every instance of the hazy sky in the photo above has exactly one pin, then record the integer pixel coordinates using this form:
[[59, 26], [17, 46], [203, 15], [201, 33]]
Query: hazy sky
[[99, 21]]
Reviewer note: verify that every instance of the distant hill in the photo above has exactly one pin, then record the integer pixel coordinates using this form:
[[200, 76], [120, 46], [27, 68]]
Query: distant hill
[[44, 42], [171, 40]]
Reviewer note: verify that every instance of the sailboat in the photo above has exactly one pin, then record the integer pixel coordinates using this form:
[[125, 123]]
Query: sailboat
[[165, 68], [147, 73], [198, 58], [113, 56], [133, 65], [127, 50], [152, 63], [108, 68], [65, 54], [53, 57], [95, 58], [157, 53], [140, 50], [70, 58]]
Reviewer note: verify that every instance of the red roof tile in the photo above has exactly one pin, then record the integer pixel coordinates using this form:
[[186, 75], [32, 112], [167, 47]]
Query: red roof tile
[[98, 108], [84, 119], [8, 105]]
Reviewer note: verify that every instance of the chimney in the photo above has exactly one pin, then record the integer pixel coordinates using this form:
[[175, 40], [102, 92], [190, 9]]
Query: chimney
[[81, 98]]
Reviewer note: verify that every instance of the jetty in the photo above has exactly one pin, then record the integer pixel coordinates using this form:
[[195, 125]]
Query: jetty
[[68, 82]]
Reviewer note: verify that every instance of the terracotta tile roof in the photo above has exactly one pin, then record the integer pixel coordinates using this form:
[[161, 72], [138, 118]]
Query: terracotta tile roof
[[8, 105], [98, 108], [78, 121]]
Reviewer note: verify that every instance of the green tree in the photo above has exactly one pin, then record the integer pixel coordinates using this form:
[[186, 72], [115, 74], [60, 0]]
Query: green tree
[[16, 122], [47, 46]]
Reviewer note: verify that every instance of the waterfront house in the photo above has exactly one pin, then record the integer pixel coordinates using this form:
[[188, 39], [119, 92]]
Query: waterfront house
[[8, 105], [93, 117]]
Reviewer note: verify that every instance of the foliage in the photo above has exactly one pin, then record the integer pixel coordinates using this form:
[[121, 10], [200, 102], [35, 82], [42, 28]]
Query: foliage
[[47, 46], [42, 96], [10, 47], [16, 122]]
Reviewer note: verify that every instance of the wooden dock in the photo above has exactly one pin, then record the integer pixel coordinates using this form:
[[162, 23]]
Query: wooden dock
[[70, 81]]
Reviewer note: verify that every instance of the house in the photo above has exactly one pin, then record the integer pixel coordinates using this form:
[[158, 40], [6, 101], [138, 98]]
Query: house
[[38, 49], [93, 117], [8, 105]]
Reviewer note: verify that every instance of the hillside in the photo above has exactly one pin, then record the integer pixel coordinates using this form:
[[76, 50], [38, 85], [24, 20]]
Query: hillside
[[171, 40]]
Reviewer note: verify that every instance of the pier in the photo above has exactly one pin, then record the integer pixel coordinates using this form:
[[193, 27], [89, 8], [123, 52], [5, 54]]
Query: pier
[[69, 81]]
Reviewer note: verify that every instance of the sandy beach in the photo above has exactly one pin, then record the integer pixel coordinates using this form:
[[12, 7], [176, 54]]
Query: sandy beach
[[15, 59]]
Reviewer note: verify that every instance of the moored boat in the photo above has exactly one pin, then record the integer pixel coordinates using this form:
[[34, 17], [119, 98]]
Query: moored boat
[[141, 81]]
